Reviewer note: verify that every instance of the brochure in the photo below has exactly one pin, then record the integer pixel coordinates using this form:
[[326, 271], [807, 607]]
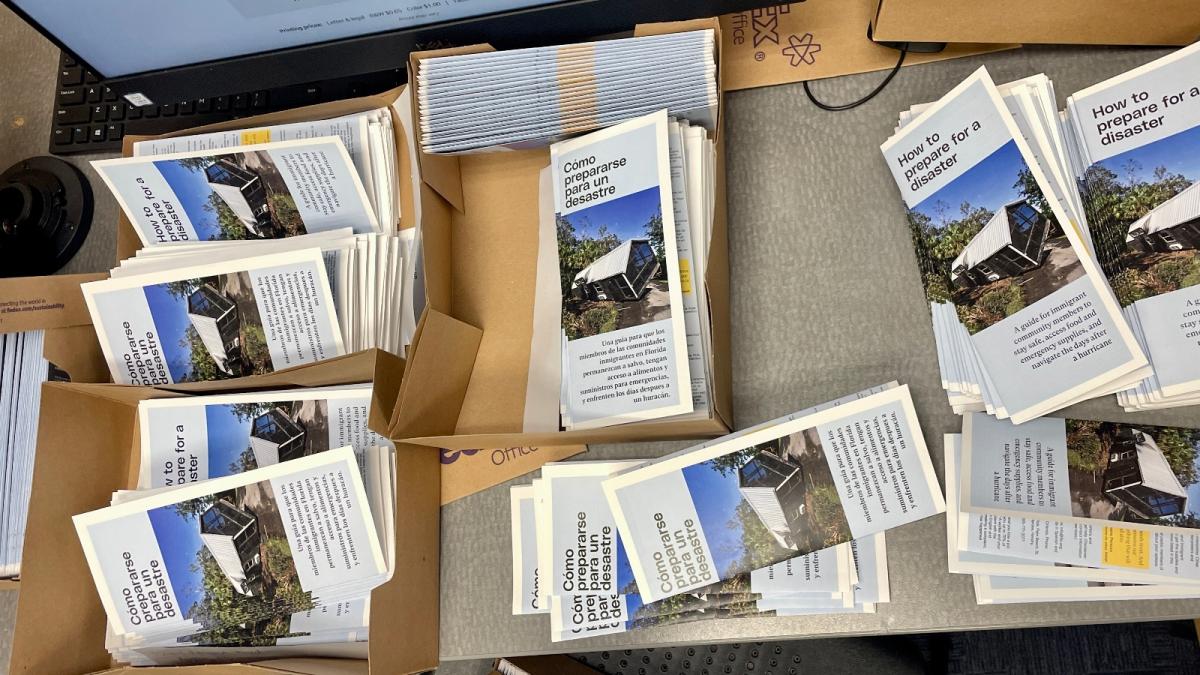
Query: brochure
[[259, 191], [781, 490], [626, 355], [992, 239], [526, 595], [236, 548], [1139, 136], [186, 440], [1107, 495], [215, 321]]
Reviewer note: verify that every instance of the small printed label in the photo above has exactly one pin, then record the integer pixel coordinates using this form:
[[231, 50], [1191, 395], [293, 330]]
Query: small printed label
[[1125, 548], [254, 136], [138, 99], [685, 275]]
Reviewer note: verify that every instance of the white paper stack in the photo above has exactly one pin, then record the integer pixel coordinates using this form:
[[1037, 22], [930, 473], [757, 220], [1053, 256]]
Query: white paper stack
[[1119, 176], [368, 138], [569, 562], [22, 372], [1072, 510], [525, 98], [1024, 317], [332, 184], [279, 560], [625, 231]]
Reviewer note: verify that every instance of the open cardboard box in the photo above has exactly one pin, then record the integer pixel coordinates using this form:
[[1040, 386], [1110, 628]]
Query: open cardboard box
[[88, 448], [1095, 22], [480, 226], [54, 304]]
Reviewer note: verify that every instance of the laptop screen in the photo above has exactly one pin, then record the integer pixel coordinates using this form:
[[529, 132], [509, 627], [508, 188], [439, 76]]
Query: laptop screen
[[127, 37]]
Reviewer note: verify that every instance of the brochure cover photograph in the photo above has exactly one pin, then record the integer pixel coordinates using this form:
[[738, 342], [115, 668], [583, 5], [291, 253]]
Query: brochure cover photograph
[[622, 305], [193, 439], [783, 490], [263, 191], [991, 238], [218, 321], [234, 549]]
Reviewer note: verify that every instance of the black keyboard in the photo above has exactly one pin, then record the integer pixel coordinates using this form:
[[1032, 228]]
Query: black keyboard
[[90, 118]]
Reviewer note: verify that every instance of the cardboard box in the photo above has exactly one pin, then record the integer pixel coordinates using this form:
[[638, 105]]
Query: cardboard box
[[471, 355], [1092, 22], [88, 447], [54, 304]]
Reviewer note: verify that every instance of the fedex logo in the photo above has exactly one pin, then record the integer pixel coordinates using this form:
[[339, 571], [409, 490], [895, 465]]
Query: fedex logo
[[763, 22]]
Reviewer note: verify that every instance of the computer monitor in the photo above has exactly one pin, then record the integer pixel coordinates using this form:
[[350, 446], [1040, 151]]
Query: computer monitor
[[160, 51]]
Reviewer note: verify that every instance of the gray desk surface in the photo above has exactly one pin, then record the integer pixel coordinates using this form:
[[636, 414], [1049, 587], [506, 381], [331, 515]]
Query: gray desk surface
[[826, 300]]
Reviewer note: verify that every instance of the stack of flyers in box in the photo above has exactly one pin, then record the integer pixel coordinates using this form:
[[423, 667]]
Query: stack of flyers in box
[[526, 98], [1024, 317], [770, 511], [281, 559], [1065, 510], [281, 188], [210, 319], [368, 138], [194, 438], [23, 369], [629, 227]]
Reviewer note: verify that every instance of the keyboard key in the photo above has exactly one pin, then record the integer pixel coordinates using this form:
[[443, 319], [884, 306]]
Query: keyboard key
[[258, 99], [168, 109], [90, 78], [134, 113], [72, 115], [150, 111], [312, 93], [221, 104], [204, 105], [68, 61], [115, 131], [71, 76], [99, 113], [96, 135], [72, 96], [109, 94], [79, 135], [61, 135], [187, 108], [94, 94], [116, 111], [241, 101]]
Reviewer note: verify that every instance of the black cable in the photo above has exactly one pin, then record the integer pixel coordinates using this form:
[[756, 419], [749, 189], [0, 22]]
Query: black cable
[[868, 97]]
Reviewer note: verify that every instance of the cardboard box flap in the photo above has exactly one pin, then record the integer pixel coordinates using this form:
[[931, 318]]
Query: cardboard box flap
[[55, 301], [439, 171], [356, 367], [435, 381], [60, 623]]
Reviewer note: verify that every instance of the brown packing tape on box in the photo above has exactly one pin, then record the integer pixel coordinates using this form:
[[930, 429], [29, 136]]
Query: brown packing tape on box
[[88, 448], [1097, 22], [490, 228], [813, 40]]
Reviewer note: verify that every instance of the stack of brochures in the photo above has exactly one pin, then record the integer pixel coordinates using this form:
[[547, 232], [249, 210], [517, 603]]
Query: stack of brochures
[[1059, 249], [1065, 510], [22, 372], [622, 302], [785, 519], [196, 200], [524, 98], [261, 522]]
